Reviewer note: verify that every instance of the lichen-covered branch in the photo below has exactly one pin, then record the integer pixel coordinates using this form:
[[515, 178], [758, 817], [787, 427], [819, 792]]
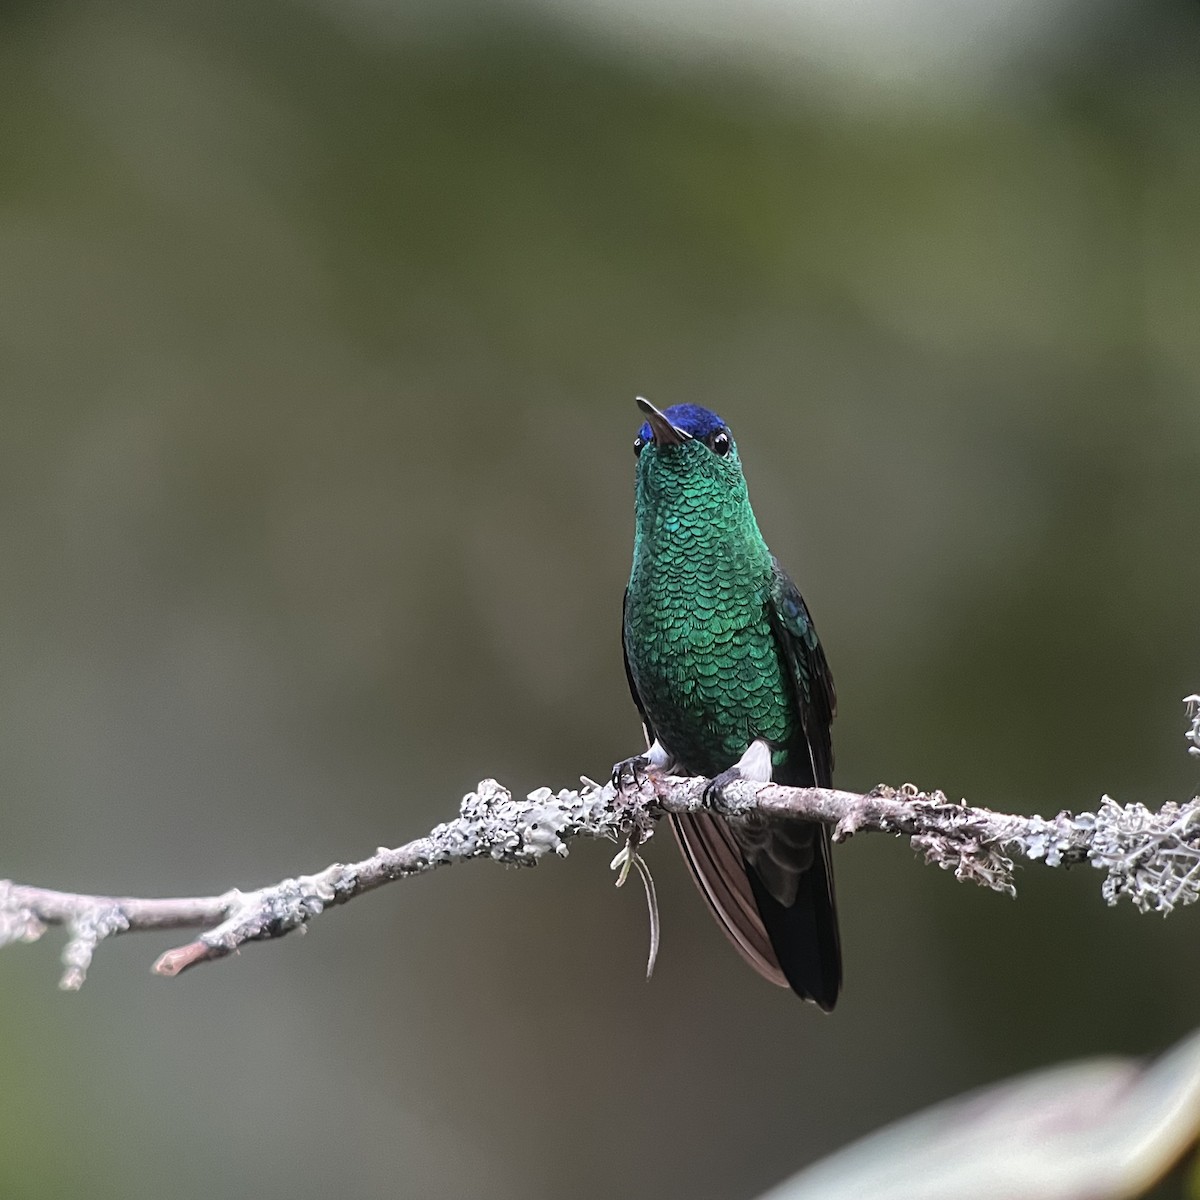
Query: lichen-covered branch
[[491, 823], [1152, 857]]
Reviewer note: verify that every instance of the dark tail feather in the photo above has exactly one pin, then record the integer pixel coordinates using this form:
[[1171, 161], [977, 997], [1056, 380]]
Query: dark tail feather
[[804, 935], [719, 870]]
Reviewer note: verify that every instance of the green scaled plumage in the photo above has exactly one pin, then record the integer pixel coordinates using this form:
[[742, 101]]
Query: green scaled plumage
[[726, 669], [696, 620]]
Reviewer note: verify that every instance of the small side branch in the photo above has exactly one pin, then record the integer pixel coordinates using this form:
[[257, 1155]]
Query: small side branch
[[1151, 857]]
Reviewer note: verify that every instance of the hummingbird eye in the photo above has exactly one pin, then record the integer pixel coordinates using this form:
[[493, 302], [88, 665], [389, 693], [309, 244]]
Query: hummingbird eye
[[638, 443], [719, 443]]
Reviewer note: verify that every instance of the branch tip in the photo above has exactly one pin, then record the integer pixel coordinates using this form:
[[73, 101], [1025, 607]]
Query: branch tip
[[178, 960]]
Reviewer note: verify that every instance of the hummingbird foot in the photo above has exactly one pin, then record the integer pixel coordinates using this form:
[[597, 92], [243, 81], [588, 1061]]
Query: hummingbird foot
[[753, 767], [632, 772]]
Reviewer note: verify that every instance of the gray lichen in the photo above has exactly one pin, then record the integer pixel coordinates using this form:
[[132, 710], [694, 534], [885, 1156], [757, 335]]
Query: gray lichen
[[521, 832], [1151, 857], [18, 922]]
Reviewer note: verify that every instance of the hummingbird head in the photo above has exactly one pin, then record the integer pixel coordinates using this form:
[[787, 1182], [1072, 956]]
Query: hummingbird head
[[691, 501], [687, 446], [689, 477]]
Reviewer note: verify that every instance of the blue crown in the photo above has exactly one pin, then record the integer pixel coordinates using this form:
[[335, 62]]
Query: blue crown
[[700, 422]]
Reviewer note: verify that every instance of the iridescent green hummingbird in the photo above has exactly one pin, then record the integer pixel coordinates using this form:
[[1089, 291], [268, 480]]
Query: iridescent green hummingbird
[[731, 682]]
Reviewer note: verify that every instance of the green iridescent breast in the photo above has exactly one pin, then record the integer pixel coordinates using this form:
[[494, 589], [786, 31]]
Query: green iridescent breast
[[698, 637]]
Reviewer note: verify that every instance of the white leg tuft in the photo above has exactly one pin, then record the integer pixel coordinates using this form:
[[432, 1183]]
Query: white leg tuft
[[755, 765]]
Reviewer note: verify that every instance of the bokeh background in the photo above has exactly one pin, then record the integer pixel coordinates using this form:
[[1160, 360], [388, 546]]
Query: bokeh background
[[320, 325]]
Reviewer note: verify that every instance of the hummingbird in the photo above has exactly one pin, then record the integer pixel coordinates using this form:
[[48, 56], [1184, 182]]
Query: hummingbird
[[731, 682]]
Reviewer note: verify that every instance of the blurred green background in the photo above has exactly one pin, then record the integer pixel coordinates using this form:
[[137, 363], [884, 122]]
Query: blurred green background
[[319, 332]]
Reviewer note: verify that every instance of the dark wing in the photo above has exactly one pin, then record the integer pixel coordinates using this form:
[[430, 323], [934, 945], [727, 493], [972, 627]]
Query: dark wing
[[717, 867], [811, 760], [788, 863], [647, 728]]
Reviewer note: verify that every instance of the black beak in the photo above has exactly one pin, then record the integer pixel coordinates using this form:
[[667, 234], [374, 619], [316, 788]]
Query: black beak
[[665, 434]]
